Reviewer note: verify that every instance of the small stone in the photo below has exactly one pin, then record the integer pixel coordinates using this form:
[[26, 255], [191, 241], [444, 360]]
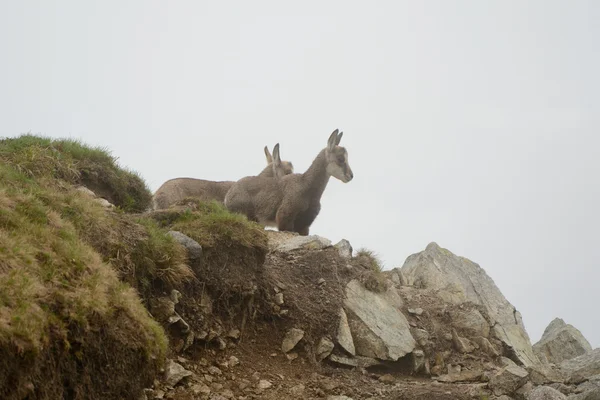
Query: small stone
[[321, 281], [324, 348], [234, 334], [297, 390], [508, 379], [200, 388], [454, 369], [234, 361], [221, 343], [546, 393], [264, 384], [416, 311], [279, 299], [214, 370], [159, 394], [387, 378], [292, 337], [228, 394], [174, 373], [256, 376], [216, 387], [463, 345], [193, 248], [208, 378], [418, 359], [344, 248], [291, 356], [339, 398]]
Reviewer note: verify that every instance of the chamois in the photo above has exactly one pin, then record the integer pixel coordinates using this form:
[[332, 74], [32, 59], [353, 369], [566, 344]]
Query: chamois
[[177, 189], [292, 202]]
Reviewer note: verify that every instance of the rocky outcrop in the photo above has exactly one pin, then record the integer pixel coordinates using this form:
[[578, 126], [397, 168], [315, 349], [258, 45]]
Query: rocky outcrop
[[561, 342], [584, 366], [312, 242], [378, 327], [458, 280]]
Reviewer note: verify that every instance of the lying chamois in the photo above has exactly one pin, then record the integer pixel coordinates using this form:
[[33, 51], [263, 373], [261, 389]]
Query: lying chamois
[[293, 202], [177, 189]]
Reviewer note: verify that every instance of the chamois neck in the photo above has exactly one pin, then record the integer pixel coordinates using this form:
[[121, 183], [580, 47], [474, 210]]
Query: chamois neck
[[316, 176]]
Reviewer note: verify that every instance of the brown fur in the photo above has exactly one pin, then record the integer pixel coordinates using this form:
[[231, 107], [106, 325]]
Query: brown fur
[[177, 189], [293, 202]]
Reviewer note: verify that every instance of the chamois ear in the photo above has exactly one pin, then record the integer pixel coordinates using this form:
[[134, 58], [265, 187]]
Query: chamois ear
[[269, 157], [339, 138], [276, 157], [331, 143]]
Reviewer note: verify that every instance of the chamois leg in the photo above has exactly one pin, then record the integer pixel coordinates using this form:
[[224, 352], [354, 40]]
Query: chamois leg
[[306, 218], [285, 219]]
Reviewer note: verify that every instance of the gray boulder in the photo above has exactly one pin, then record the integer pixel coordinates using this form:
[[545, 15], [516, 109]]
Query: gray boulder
[[378, 327], [459, 280], [561, 342], [584, 366], [545, 393], [174, 373], [344, 248], [193, 248], [508, 380], [311, 242], [344, 336]]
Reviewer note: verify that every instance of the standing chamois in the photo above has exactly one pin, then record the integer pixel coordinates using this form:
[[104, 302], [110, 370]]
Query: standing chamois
[[177, 189], [293, 202]]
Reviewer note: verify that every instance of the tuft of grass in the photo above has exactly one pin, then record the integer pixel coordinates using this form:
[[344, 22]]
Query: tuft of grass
[[210, 223], [370, 259], [73, 162]]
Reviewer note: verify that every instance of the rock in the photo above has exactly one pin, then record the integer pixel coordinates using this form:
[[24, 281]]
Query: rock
[[387, 378], [593, 394], [291, 356], [416, 311], [85, 191], [228, 394], [200, 388], [561, 342], [104, 203], [174, 373], [486, 346], [292, 337], [379, 329], [297, 390], [523, 391], [421, 336], [508, 379], [584, 366], [194, 249], [462, 345], [324, 348], [279, 299], [344, 248], [311, 242], [462, 376], [339, 398], [545, 393], [454, 369], [418, 360], [360, 362], [214, 370], [459, 280], [234, 334], [234, 361], [321, 281], [471, 322], [344, 336], [264, 384]]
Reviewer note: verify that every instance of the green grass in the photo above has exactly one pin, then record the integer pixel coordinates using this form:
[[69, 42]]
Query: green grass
[[63, 275], [210, 223], [73, 162], [370, 259]]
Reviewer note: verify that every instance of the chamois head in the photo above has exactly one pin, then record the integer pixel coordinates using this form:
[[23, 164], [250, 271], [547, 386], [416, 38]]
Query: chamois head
[[278, 169], [337, 158], [285, 167]]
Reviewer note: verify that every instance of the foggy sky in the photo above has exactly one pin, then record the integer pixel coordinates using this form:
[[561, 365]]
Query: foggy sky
[[472, 124]]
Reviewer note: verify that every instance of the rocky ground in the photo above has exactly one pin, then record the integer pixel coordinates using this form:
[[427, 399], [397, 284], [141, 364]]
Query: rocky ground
[[437, 328]]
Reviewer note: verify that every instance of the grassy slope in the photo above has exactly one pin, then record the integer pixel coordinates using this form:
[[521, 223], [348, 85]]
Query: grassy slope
[[59, 298]]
